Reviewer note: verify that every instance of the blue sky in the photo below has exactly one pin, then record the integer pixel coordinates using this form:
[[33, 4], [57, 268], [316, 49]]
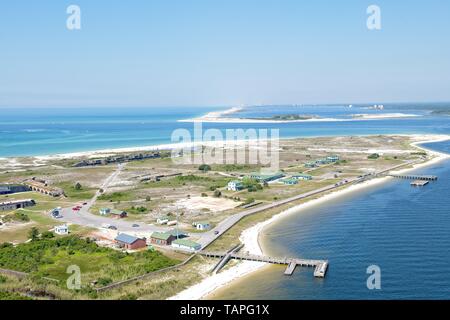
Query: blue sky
[[205, 52]]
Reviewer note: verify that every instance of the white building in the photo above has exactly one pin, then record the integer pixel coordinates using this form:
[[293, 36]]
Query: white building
[[202, 225], [235, 185], [186, 245], [62, 230]]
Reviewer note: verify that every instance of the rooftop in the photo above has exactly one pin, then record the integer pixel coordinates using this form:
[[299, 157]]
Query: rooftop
[[186, 243], [126, 238], [161, 235]]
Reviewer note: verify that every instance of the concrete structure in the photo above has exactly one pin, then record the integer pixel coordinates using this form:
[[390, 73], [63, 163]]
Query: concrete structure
[[62, 230], [130, 242], [235, 185], [302, 176], [186, 245], [17, 204], [420, 183], [42, 186], [162, 238], [290, 181], [13, 188], [202, 225]]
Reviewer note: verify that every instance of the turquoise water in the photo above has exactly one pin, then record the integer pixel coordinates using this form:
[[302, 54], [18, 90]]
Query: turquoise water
[[42, 131], [403, 230]]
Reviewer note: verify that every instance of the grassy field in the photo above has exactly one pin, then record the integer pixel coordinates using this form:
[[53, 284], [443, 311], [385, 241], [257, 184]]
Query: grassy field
[[51, 257]]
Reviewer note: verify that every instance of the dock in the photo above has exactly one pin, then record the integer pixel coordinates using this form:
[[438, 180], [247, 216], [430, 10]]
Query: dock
[[414, 177], [319, 265], [419, 183]]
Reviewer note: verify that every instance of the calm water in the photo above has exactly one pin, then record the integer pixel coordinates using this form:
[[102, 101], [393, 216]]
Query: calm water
[[403, 230], [42, 131]]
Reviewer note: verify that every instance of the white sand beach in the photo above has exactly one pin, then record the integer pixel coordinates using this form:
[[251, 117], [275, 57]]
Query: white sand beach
[[250, 237]]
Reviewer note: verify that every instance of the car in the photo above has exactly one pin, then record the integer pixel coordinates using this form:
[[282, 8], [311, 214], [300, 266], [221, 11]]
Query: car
[[75, 208], [112, 227], [216, 232], [84, 203], [135, 225]]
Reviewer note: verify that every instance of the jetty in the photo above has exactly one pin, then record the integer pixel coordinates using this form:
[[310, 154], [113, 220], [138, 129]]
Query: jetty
[[319, 265], [414, 177]]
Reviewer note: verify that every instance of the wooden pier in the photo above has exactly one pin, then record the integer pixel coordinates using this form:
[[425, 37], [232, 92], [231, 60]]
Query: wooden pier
[[319, 265], [414, 177]]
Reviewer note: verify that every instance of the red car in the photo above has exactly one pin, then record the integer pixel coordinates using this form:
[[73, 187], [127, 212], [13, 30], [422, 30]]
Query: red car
[[75, 208]]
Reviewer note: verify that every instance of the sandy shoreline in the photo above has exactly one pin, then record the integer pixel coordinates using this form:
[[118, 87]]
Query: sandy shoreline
[[218, 117], [250, 237]]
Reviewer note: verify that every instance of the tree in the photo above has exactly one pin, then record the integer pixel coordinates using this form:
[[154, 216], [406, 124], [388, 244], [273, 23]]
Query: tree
[[204, 167], [33, 234], [47, 235], [78, 186], [217, 194], [148, 199]]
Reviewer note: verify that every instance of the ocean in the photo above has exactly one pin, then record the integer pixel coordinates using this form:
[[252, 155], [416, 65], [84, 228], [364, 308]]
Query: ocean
[[48, 131], [405, 231]]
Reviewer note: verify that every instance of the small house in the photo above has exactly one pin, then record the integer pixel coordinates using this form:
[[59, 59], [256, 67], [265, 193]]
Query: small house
[[235, 185], [164, 220], [129, 242], [310, 165], [302, 176], [62, 230], [104, 211], [290, 181], [162, 238], [333, 158], [202, 225], [187, 245]]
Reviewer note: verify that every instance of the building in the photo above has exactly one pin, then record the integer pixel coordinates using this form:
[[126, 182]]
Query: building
[[104, 211], [333, 158], [17, 204], [266, 177], [310, 165], [187, 245], [42, 186], [13, 188], [202, 225], [302, 176], [128, 242], [164, 220], [62, 230], [290, 181], [162, 238], [235, 185]]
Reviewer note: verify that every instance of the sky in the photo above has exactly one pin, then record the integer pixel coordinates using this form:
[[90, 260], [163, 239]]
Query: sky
[[223, 52]]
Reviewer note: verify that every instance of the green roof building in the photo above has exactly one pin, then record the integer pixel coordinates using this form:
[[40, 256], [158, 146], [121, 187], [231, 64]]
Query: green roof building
[[186, 245]]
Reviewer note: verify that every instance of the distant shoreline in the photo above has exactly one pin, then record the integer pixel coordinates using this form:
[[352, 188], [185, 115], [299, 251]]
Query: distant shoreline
[[218, 117], [250, 236]]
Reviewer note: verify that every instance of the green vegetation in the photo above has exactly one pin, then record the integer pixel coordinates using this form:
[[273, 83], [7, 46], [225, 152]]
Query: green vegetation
[[373, 156], [6, 295], [76, 192], [289, 117], [16, 216], [137, 210], [251, 185], [51, 257], [116, 196], [204, 168], [235, 167]]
